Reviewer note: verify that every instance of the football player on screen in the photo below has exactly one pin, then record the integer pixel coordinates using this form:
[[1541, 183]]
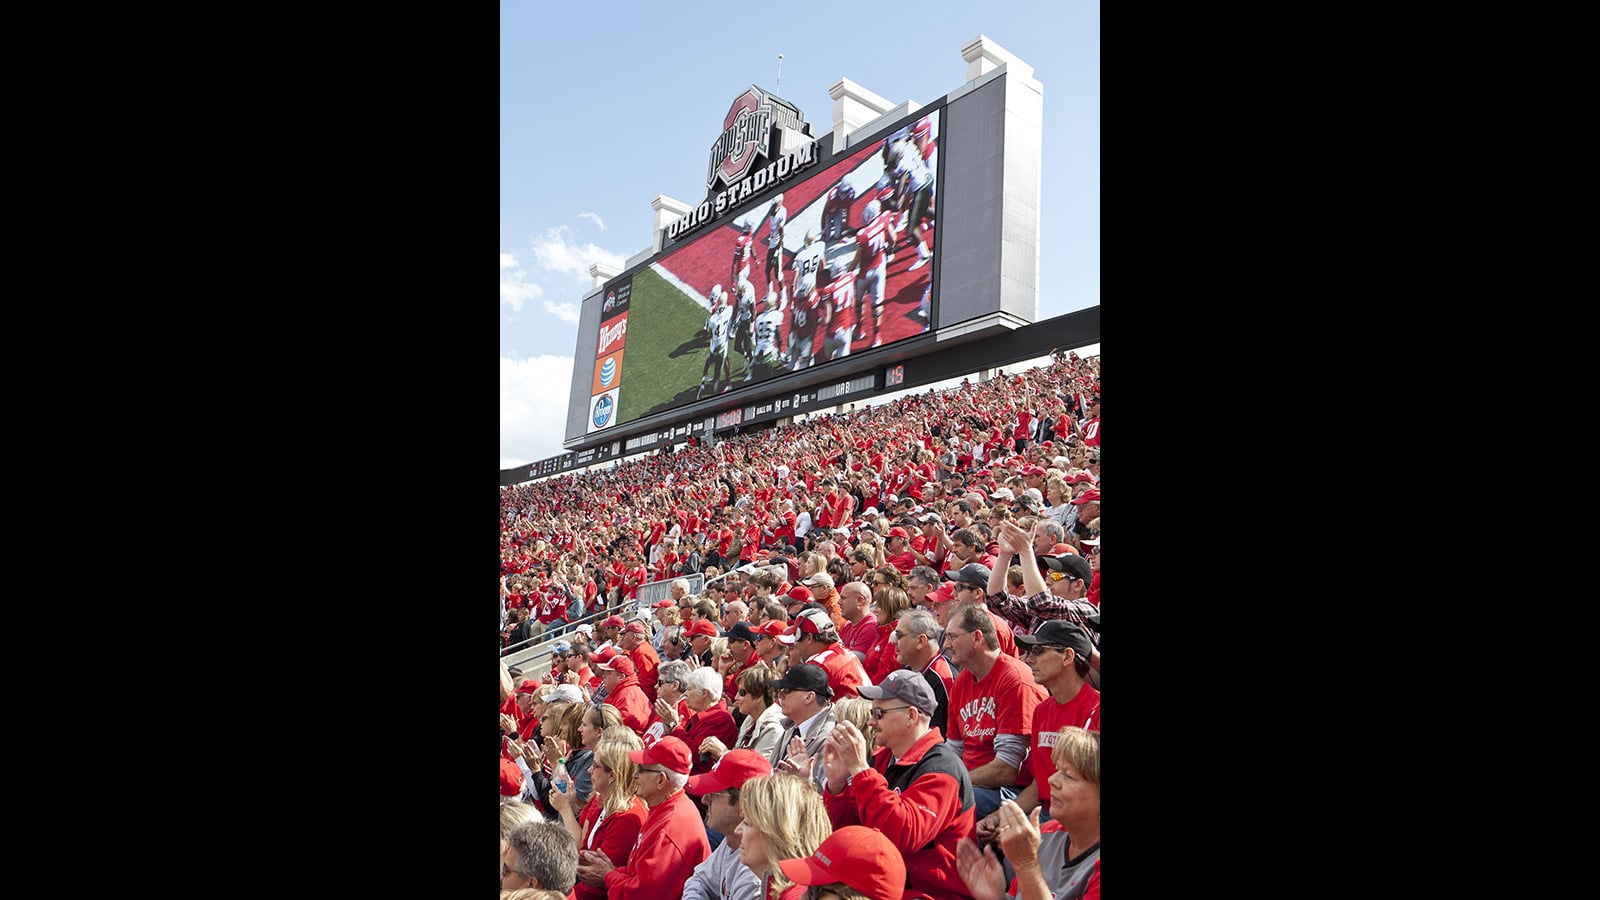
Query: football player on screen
[[717, 326], [744, 320], [873, 240], [767, 326], [839, 316], [836, 211], [915, 181], [777, 218], [743, 252], [809, 258], [803, 313]]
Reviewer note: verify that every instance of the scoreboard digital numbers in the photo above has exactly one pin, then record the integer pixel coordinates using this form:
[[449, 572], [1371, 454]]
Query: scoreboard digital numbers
[[894, 375], [730, 418]]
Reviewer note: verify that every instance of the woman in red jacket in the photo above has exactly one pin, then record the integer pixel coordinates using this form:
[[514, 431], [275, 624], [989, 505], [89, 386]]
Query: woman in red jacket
[[887, 605], [612, 819]]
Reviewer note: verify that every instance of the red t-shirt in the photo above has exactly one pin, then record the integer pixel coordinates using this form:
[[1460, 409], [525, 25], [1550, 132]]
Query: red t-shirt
[[1002, 703], [845, 672], [1049, 717], [860, 636]]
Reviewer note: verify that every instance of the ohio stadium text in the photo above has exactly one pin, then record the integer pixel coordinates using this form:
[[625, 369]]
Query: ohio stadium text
[[770, 175]]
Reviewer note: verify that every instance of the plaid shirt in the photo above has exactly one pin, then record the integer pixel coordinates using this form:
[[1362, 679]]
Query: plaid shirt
[[1026, 614]]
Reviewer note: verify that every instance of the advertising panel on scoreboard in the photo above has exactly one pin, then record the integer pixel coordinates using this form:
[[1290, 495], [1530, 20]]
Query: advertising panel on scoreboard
[[837, 261]]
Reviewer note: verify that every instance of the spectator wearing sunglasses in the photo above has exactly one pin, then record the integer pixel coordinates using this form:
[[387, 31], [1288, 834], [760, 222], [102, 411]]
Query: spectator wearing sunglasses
[[915, 789], [1059, 593], [1058, 656]]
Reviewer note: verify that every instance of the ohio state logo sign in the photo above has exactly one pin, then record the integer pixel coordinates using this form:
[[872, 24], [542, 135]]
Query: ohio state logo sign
[[746, 132]]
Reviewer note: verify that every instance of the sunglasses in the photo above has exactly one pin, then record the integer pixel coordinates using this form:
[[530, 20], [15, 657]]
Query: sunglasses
[[879, 713]]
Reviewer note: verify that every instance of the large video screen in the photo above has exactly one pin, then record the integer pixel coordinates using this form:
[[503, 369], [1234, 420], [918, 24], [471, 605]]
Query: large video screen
[[833, 265]]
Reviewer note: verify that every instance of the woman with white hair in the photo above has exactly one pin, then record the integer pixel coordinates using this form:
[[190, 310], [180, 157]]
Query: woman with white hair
[[708, 716]]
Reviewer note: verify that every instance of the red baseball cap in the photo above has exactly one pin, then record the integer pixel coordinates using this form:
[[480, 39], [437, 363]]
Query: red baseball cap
[[731, 771], [662, 604], [1088, 496], [669, 752], [800, 594], [945, 593], [613, 622], [619, 663], [510, 778], [529, 686], [1059, 549], [605, 655], [771, 629], [635, 627], [700, 626], [897, 531], [1033, 470], [860, 857]]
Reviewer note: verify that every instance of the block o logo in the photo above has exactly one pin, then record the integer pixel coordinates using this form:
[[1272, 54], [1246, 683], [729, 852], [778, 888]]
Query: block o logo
[[603, 410], [611, 302], [608, 371]]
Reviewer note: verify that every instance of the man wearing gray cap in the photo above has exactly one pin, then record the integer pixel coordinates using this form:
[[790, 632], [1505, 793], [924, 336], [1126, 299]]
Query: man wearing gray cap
[[916, 791]]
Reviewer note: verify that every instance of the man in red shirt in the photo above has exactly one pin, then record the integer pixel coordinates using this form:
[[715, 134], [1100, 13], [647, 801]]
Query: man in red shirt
[[673, 839], [818, 643], [860, 630], [623, 691], [742, 647], [967, 585], [1091, 429], [1058, 657], [646, 662], [991, 707], [899, 552]]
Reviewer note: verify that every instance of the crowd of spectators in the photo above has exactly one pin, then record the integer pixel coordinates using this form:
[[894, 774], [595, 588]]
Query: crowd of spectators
[[887, 687]]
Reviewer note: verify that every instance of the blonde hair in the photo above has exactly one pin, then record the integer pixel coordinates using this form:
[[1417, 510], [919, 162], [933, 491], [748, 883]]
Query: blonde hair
[[506, 685], [789, 813], [611, 751], [1079, 748], [855, 710], [514, 813]]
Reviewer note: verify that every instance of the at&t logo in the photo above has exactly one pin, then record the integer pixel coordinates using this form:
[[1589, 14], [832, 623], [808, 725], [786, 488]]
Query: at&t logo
[[608, 371]]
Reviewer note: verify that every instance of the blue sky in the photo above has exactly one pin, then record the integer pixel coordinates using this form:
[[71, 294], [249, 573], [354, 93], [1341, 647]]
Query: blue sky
[[605, 105]]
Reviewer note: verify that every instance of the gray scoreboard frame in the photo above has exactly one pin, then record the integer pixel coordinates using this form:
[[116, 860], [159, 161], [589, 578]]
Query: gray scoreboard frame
[[986, 283]]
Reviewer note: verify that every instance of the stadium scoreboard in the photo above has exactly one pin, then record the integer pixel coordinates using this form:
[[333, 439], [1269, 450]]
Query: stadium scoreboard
[[816, 270]]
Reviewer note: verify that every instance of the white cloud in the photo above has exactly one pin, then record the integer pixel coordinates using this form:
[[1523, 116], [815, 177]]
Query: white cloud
[[534, 393], [566, 312], [556, 253], [593, 217], [514, 290]]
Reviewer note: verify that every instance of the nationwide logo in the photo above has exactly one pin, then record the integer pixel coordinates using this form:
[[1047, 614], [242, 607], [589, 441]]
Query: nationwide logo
[[603, 410], [613, 334]]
